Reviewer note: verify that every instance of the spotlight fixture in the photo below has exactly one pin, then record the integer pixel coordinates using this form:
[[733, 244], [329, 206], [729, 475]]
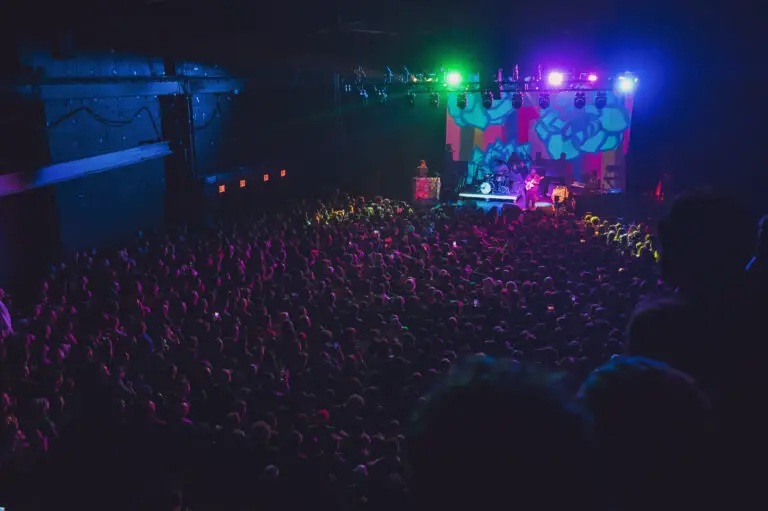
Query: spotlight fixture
[[601, 100], [411, 97], [282, 173], [555, 79], [453, 79], [222, 188], [579, 100], [364, 95], [434, 99], [627, 83], [461, 100], [242, 183], [544, 100], [487, 100], [517, 100], [266, 178], [592, 77]]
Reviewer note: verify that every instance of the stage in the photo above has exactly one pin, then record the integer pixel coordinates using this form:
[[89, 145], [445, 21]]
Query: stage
[[572, 133], [630, 207], [487, 205]]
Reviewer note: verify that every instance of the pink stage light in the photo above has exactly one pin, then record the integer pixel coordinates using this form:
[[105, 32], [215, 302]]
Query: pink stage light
[[555, 78], [592, 77]]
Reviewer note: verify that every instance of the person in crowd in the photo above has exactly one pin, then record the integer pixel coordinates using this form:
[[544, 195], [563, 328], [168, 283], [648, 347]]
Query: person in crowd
[[498, 432], [241, 361], [707, 241], [659, 329], [656, 432], [710, 327]]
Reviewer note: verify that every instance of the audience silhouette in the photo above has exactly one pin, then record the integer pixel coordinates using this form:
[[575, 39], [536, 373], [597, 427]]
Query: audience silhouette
[[353, 355]]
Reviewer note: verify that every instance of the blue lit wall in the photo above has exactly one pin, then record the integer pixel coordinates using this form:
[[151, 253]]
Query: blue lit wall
[[110, 207], [212, 121], [106, 208]]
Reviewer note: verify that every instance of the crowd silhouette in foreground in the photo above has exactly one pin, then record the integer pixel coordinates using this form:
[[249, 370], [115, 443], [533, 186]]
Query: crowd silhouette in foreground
[[348, 355]]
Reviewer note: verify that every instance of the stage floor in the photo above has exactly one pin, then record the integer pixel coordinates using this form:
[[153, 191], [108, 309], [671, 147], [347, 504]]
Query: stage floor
[[487, 205]]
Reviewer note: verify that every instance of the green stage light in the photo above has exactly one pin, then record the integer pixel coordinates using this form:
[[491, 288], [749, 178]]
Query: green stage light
[[453, 78]]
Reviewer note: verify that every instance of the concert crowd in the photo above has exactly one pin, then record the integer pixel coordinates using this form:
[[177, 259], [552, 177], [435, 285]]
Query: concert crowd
[[348, 355]]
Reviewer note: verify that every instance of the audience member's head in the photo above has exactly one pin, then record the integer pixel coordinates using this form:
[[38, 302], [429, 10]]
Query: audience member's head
[[498, 432], [656, 431], [706, 241], [665, 329]]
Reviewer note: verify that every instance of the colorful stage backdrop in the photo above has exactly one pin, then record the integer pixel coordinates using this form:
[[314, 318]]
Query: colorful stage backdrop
[[590, 138]]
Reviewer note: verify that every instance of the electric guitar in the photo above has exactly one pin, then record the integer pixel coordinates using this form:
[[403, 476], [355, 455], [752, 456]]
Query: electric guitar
[[530, 182]]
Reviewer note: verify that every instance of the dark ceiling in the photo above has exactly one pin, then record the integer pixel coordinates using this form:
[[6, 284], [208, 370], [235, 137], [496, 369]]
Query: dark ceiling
[[421, 33], [685, 44]]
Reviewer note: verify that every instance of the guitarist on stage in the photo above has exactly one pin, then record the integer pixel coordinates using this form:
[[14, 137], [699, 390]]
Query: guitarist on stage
[[532, 183]]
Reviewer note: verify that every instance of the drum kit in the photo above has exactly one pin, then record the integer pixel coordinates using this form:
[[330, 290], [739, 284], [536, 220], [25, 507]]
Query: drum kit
[[506, 181]]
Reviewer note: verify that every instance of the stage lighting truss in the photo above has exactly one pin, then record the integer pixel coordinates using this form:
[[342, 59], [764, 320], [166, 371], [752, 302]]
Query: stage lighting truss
[[384, 86]]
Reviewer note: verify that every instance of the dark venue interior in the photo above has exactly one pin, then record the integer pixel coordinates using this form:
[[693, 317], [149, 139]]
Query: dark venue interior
[[376, 256]]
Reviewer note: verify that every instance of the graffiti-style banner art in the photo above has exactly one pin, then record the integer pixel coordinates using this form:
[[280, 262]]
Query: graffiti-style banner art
[[592, 139]]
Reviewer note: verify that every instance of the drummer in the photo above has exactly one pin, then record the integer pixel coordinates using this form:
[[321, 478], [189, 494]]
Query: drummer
[[502, 169]]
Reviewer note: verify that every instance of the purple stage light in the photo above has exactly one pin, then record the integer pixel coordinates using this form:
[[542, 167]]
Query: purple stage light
[[555, 79], [592, 77]]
